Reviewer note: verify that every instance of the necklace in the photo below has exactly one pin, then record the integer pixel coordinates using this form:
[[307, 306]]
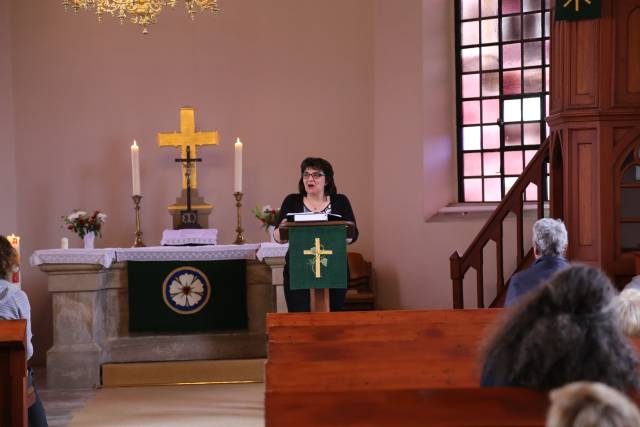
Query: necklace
[[316, 207]]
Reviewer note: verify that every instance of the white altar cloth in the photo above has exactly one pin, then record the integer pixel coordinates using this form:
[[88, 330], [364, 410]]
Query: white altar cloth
[[105, 257], [108, 256], [187, 236], [188, 253], [272, 250]]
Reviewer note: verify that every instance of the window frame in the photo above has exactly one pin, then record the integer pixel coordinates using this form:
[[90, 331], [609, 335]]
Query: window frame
[[542, 95]]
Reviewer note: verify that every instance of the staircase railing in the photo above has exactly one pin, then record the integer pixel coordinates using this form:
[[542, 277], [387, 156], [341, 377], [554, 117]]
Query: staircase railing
[[534, 173]]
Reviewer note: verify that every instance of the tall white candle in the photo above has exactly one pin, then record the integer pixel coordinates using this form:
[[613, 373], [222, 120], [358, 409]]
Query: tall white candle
[[135, 168], [237, 182]]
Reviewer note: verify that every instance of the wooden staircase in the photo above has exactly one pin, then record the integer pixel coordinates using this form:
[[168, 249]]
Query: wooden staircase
[[493, 231]]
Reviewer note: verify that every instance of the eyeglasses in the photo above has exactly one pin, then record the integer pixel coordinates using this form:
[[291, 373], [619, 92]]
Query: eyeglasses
[[314, 175]]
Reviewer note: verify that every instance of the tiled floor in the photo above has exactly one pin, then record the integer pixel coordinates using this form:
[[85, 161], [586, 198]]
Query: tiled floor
[[238, 405], [60, 405]]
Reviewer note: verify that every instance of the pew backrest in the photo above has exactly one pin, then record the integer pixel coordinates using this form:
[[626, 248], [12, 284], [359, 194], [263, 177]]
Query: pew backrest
[[390, 350], [13, 370]]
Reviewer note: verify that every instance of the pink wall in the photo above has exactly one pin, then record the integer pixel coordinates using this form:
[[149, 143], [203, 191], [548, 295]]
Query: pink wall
[[367, 85], [292, 78], [7, 137], [414, 155]]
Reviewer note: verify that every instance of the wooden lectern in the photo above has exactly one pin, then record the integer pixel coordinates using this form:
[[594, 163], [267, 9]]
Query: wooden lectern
[[318, 257]]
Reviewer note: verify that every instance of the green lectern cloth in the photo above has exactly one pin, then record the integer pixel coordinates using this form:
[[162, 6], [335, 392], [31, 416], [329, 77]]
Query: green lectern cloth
[[176, 296], [329, 242]]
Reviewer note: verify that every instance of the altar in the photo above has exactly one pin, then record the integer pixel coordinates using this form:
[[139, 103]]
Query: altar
[[90, 293]]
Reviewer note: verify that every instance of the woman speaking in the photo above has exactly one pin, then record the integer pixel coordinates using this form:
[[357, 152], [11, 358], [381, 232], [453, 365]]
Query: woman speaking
[[317, 192]]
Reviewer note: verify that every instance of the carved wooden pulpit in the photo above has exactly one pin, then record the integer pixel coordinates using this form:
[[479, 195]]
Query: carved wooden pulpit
[[594, 120]]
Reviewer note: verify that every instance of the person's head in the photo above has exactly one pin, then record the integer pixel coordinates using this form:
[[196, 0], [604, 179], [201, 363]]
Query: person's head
[[316, 177], [549, 237], [564, 331], [584, 404], [8, 258], [629, 308]]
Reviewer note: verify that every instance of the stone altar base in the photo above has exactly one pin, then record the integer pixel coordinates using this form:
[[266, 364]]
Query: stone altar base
[[90, 321]]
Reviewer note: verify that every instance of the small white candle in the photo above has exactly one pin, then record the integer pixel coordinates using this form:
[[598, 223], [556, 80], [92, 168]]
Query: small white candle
[[135, 168], [64, 243], [237, 183], [15, 242]]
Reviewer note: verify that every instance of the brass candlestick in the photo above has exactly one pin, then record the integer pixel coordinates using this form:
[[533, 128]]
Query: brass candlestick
[[137, 243], [239, 231]]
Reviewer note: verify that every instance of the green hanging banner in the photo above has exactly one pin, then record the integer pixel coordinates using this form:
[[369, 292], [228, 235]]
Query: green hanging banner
[[575, 10], [318, 257]]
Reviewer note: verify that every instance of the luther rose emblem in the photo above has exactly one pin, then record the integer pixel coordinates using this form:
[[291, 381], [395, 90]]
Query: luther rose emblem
[[186, 290]]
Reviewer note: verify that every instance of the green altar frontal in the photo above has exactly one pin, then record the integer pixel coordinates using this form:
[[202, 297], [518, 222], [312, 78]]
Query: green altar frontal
[[181, 296]]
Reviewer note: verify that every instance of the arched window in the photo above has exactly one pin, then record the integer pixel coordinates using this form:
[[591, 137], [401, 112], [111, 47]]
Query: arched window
[[629, 202], [502, 72]]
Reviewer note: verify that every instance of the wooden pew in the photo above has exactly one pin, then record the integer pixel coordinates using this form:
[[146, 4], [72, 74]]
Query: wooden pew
[[475, 407], [13, 373], [471, 407], [389, 368], [376, 350]]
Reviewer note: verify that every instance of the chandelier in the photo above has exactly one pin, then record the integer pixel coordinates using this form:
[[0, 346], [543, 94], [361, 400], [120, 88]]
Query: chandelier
[[141, 12]]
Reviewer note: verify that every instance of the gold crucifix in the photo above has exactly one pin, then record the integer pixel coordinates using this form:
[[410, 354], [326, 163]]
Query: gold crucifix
[[187, 137], [316, 251]]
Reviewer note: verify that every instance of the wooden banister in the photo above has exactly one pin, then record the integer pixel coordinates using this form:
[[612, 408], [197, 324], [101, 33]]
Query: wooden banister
[[513, 202]]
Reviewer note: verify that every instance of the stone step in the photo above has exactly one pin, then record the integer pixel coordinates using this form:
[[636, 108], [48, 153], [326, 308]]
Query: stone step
[[183, 372]]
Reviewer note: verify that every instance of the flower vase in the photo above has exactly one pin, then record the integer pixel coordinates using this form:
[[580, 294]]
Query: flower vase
[[270, 230], [88, 240]]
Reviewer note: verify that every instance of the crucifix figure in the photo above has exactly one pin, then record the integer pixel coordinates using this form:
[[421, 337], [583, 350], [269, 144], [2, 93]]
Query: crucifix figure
[[188, 139], [188, 217], [316, 251]]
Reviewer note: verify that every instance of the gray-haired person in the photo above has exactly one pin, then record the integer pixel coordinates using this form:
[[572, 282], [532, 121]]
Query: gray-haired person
[[585, 404], [549, 245], [629, 307]]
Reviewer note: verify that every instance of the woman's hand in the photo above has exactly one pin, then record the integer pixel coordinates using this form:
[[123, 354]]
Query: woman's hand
[[276, 232]]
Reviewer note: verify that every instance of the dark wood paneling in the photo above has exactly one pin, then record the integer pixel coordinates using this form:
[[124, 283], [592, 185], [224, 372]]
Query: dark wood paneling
[[584, 194], [627, 54], [584, 76]]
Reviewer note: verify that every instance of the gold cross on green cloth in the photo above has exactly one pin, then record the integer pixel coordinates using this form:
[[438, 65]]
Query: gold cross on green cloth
[[317, 251], [577, 3]]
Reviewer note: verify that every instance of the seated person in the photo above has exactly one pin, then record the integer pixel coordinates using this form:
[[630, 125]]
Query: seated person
[[564, 331], [14, 305], [549, 244], [584, 404], [629, 307]]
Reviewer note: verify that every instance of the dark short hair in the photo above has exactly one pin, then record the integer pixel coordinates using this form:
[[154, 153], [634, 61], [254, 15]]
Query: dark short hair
[[321, 165], [564, 331], [8, 257]]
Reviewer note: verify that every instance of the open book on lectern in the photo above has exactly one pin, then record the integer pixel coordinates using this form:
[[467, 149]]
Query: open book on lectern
[[312, 216]]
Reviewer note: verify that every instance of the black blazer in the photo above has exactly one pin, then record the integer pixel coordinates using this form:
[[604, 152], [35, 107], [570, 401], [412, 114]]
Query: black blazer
[[340, 205]]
